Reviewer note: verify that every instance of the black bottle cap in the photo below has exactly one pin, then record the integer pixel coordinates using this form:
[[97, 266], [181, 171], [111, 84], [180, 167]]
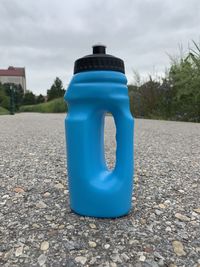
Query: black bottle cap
[[99, 60]]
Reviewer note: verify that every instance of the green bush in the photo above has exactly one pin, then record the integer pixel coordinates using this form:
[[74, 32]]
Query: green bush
[[175, 97], [55, 106], [4, 99], [3, 111]]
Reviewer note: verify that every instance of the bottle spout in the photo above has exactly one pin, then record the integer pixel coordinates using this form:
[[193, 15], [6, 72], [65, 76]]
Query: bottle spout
[[99, 49]]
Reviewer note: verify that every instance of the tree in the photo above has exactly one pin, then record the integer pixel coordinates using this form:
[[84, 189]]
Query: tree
[[149, 97], [18, 93], [4, 99], [40, 99], [56, 90], [135, 100], [29, 98], [167, 93]]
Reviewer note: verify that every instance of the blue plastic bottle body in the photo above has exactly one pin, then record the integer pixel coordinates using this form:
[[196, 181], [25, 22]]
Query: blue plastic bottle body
[[94, 190]]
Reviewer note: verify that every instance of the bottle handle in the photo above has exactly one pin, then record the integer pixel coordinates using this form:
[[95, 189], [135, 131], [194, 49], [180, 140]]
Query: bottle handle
[[124, 143]]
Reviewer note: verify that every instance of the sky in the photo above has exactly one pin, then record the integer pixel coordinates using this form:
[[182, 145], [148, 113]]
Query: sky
[[47, 36]]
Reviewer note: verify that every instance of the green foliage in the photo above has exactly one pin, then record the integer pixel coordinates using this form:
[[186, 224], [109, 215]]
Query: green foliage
[[184, 77], [176, 97], [40, 99], [149, 96], [29, 98], [55, 106], [56, 90], [17, 91], [3, 111], [4, 99], [145, 99]]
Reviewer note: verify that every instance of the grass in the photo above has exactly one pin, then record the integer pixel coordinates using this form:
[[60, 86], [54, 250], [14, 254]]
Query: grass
[[4, 111], [54, 106]]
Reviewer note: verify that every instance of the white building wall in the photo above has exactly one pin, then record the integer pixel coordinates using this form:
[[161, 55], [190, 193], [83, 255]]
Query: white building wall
[[14, 79]]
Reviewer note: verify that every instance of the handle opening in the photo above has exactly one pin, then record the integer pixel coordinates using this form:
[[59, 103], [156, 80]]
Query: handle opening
[[110, 144]]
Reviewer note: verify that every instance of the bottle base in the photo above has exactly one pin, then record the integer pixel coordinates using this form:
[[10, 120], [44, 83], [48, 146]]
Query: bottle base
[[101, 216]]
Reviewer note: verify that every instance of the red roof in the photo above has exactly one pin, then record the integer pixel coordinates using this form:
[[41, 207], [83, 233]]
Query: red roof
[[13, 71]]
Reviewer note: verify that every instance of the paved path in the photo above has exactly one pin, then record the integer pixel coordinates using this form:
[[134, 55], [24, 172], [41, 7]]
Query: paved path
[[37, 227]]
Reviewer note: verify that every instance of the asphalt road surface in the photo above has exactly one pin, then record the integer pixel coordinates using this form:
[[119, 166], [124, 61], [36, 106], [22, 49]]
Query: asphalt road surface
[[37, 227]]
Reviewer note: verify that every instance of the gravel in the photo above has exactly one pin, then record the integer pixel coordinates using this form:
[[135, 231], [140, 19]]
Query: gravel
[[37, 227]]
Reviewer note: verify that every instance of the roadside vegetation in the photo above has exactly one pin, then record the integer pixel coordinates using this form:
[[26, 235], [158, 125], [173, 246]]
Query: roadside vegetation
[[3, 111], [54, 106], [173, 97]]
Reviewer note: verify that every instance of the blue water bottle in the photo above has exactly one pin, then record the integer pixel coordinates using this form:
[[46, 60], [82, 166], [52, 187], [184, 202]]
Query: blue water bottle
[[98, 86]]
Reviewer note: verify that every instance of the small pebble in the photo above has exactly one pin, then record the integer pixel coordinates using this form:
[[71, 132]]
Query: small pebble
[[124, 256], [35, 225], [182, 217], [46, 194], [133, 241], [92, 244], [18, 190], [42, 259], [5, 196], [178, 248], [168, 229], [44, 245], [167, 202], [181, 191], [158, 212], [92, 225], [136, 179], [197, 210], [41, 205], [59, 186], [49, 217], [162, 206], [143, 221], [116, 257], [198, 249], [142, 258], [81, 259], [107, 246], [19, 251], [70, 227]]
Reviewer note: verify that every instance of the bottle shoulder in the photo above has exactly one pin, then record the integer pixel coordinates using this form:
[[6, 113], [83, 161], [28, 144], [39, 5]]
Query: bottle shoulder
[[97, 84], [99, 77]]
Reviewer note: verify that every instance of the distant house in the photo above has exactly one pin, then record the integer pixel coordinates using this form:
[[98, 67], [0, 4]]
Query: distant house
[[14, 75]]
